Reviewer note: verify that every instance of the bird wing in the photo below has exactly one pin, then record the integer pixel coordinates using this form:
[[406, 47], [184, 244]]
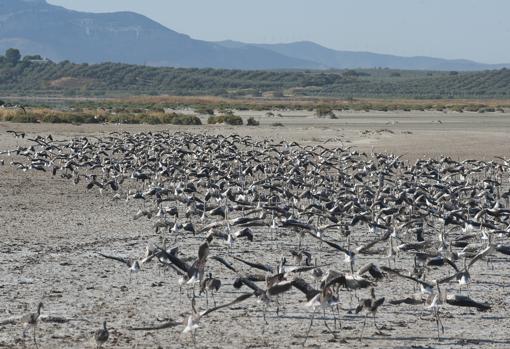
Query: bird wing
[[372, 269], [239, 299], [177, 261], [362, 270], [124, 260], [452, 264], [372, 243], [240, 281], [332, 244], [305, 287], [168, 324], [503, 249], [224, 262], [395, 272], [279, 288], [447, 279], [485, 252], [303, 269], [340, 278], [255, 265], [466, 301]]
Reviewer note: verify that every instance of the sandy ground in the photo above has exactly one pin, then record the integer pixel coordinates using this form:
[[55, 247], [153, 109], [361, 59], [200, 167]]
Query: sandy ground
[[52, 230]]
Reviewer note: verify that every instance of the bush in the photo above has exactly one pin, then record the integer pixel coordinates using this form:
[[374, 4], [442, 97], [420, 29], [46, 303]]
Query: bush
[[204, 110], [23, 118], [177, 119], [252, 122], [51, 118], [277, 124], [323, 111], [225, 119]]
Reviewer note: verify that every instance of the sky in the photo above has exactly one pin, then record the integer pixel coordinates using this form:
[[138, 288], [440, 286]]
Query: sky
[[472, 29]]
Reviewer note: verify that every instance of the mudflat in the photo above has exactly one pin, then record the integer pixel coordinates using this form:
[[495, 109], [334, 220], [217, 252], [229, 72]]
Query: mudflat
[[52, 230]]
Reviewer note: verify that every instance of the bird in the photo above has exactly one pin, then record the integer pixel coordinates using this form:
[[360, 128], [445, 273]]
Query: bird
[[370, 306], [30, 320], [193, 320], [277, 194], [133, 264], [210, 284], [101, 335]]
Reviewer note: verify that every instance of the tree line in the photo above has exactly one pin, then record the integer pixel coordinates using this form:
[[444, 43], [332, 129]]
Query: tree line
[[31, 75]]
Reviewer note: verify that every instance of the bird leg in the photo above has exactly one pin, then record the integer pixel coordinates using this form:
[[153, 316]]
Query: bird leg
[[439, 323], [309, 328], [212, 295], [264, 314], [194, 338], [35, 337], [334, 317], [338, 313], [327, 326], [375, 324], [363, 328]]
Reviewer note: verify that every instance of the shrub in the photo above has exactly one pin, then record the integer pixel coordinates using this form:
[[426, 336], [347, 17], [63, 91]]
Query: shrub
[[225, 119], [177, 119], [23, 118], [277, 124], [323, 111], [204, 110], [252, 122], [51, 118]]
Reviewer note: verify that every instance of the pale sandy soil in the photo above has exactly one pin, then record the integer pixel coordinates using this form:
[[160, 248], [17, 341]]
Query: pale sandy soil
[[51, 230]]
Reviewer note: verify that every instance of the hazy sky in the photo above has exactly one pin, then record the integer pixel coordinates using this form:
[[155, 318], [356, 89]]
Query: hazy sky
[[472, 29]]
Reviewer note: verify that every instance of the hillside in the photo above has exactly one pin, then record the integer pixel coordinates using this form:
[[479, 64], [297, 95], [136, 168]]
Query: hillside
[[36, 27], [35, 77], [347, 59]]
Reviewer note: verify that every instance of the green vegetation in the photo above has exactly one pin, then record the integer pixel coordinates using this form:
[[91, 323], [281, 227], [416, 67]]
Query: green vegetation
[[225, 119], [204, 110], [325, 111], [34, 76], [89, 117], [12, 56], [252, 122]]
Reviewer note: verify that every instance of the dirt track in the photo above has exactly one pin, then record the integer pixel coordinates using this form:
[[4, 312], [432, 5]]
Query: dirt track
[[51, 231]]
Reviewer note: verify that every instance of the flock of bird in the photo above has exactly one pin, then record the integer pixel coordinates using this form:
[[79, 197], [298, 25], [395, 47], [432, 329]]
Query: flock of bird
[[351, 220]]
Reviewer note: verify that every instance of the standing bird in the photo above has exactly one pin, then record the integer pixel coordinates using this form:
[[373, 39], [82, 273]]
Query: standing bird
[[30, 321], [370, 306], [101, 336]]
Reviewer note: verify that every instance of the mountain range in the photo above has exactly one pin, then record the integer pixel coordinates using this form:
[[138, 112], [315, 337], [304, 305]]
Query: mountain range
[[36, 27]]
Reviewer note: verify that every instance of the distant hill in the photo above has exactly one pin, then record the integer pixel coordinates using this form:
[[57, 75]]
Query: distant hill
[[351, 60], [36, 27]]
